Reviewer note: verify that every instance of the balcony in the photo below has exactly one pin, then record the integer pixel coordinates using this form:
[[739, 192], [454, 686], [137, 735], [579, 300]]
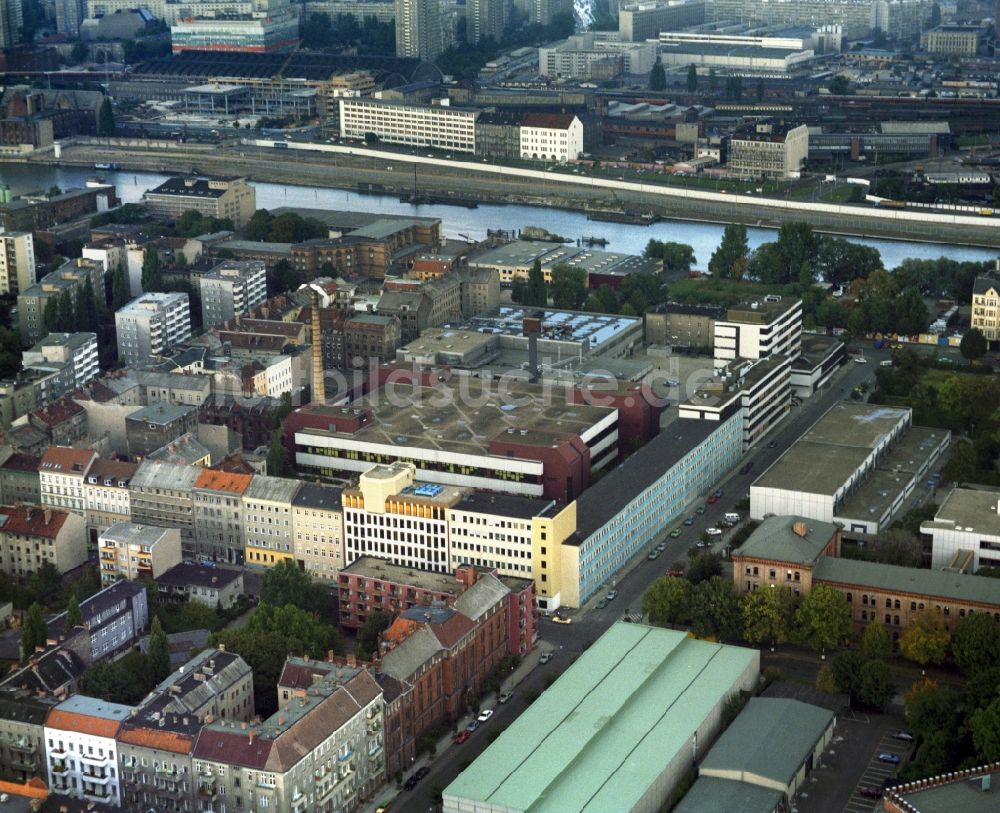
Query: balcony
[[96, 762], [101, 778], [207, 790], [166, 770], [101, 795], [24, 745], [346, 755], [59, 768]]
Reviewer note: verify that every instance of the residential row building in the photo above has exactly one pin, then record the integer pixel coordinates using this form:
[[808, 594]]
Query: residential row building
[[986, 306], [127, 550], [72, 354], [33, 535]]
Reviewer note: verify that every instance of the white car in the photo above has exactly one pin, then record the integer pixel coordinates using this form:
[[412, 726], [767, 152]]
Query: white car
[[485, 715], [714, 532], [860, 360], [546, 657]]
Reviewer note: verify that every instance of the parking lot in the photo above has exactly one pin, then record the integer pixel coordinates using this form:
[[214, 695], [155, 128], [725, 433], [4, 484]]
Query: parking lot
[[878, 771]]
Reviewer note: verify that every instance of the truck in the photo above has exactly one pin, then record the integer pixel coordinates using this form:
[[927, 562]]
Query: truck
[[281, 145]]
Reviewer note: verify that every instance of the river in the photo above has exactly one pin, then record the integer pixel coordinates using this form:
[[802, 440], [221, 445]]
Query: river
[[473, 223]]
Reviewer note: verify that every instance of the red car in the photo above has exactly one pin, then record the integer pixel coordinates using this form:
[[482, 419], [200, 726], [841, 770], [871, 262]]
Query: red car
[[870, 792], [712, 499], [462, 736]]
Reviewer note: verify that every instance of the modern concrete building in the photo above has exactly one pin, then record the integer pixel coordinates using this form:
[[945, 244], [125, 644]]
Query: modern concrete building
[[440, 126], [61, 476], [231, 289], [578, 56], [768, 326], [954, 40], [899, 19], [856, 466], [130, 551], [82, 751], [271, 32], [986, 306], [551, 137], [768, 150], [115, 618], [77, 352], [972, 789], [69, 278], [638, 22], [267, 520], [229, 198], [418, 29], [649, 698], [17, 260], [968, 521], [150, 325], [745, 60], [318, 530], [205, 582], [767, 753]]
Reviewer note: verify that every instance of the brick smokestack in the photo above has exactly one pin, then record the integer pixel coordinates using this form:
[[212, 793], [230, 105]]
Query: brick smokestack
[[318, 384]]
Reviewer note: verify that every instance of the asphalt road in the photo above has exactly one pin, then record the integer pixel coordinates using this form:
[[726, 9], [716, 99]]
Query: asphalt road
[[589, 623]]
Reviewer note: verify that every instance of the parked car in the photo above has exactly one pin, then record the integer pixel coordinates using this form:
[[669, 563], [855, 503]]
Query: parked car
[[602, 604], [712, 499], [612, 595], [703, 544], [561, 619], [772, 444], [886, 756], [870, 792], [746, 467], [546, 657], [410, 783], [718, 494], [661, 547], [462, 736], [677, 531], [860, 360], [652, 555], [701, 509], [505, 697], [485, 715], [422, 772], [689, 521], [676, 572], [470, 728], [713, 532], [905, 736]]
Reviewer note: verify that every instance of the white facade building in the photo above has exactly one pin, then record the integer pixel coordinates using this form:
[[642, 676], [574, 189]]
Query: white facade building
[[81, 751], [151, 324], [276, 378], [574, 57], [551, 137], [61, 477], [759, 329], [419, 125], [231, 289], [79, 350], [967, 521], [17, 262], [131, 551]]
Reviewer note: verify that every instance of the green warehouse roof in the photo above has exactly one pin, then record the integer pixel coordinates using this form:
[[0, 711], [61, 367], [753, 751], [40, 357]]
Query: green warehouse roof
[[600, 737], [769, 740], [712, 795]]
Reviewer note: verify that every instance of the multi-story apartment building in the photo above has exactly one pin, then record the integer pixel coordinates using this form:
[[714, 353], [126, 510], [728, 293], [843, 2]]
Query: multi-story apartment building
[[218, 515], [441, 126], [63, 422], [318, 530], [419, 29], [954, 40], [77, 351], [150, 325], [261, 33], [758, 329], [106, 495], [30, 536], [267, 520], [986, 306], [551, 137], [19, 480], [486, 19], [17, 262], [581, 54], [369, 585], [768, 150], [225, 198], [61, 476], [638, 22], [11, 20], [371, 339], [22, 735], [231, 289], [153, 427], [81, 749], [162, 494], [205, 583], [130, 551], [115, 619], [70, 277], [322, 751]]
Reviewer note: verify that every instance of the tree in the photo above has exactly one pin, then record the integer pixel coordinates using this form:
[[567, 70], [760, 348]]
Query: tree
[[152, 277], [963, 464], [120, 681], [838, 85], [767, 615], [657, 77], [374, 626], [258, 227], [973, 346], [106, 119], [569, 287], [876, 685], [985, 727], [975, 643], [692, 78], [823, 619], [286, 583], [537, 293], [158, 663], [74, 618], [897, 547], [715, 609], [50, 314], [703, 566], [845, 668], [926, 640], [120, 291], [876, 643], [78, 52], [713, 80], [912, 316], [668, 601], [732, 250], [677, 257], [67, 317], [278, 464], [371, 139], [34, 631]]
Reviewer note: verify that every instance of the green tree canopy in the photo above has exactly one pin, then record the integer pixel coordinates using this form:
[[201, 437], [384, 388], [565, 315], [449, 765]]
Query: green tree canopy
[[703, 566], [715, 609], [657, 77], [730, 257], [74, 617], [876, 643], [876, 685], [106, 119], [158, 658], [569, 287], [375, 624], [668, 601], [973, 345], [976, 643], [823, 620], [985, 727], [287, 583], [537, 294], [926, 639], [692, 78], [152, 275], [839, 85], [767, 615], [34, 631]]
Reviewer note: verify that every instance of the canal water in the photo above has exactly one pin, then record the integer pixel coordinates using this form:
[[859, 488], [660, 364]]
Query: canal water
[[473, 223]]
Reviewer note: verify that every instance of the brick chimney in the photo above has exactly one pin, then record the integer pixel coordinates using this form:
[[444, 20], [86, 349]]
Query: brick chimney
[[800, 529]]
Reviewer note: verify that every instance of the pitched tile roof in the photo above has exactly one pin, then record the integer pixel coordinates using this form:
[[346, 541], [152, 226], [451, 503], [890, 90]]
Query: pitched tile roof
[[485, 593], [21, 462], [552, 121], [88, 715], [58, 411], [27, 520], [223, 481], [65, 460], [161, 739]]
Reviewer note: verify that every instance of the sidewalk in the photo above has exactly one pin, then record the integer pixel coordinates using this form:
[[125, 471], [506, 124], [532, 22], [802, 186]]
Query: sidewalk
[[445, 743]]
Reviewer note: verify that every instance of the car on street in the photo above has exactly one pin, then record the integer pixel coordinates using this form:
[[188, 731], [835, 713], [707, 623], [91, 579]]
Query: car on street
[[652, 555], [673, 382], [485, 715], [945, 360], [701, 509], [612, 595], [703, 544], [602, 604], [675, 533], [712, 499], [714, 531], [561, 619], [746, 467], [689, 521], [462, 736], [470, 728], [676, 572], [886, 756], [661, 546], [718, 494], [546, 657], [905, 736], [860, 360], [505, 697], [410, 783], [422, 772], [772, 444], [870, 792]]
